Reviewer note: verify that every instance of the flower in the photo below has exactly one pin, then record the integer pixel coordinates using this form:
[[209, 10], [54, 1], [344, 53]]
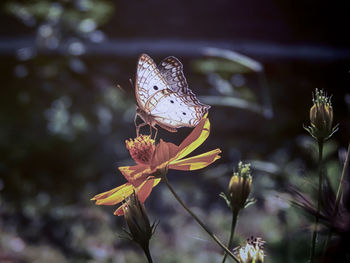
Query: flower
[[153, 161], [240, 186], [321, 117], [252, 252]]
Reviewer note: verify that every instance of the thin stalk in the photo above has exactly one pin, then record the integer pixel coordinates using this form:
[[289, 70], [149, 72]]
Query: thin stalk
[[199, 221], [233, 226], [148, 254], [320, 180], [338, 196]]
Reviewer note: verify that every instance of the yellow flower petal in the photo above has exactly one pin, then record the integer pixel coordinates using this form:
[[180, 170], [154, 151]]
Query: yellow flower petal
[[135, 174], [108, 193], [195, 139], [115, 195], [165, 151], [196, 162], [130, 171], [142, 192], [146, 188], [156, 181]]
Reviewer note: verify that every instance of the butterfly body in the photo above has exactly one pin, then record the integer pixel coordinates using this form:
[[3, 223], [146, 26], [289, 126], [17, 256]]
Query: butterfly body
[[163, 96]]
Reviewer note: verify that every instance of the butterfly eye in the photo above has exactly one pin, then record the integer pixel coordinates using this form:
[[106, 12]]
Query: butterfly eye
[[171, 101], [155, 87], [184, 113]]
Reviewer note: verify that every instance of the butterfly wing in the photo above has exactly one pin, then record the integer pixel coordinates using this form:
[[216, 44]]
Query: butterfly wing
[[148, 81], [177, 110], [186, 107], [172, 70]]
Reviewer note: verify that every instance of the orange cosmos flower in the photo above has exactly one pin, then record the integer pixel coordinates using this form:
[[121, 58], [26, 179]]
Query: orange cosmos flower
[[153, 159]]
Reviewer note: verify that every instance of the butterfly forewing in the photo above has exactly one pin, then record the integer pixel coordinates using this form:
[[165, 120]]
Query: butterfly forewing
[[148, 81], [172, 70]]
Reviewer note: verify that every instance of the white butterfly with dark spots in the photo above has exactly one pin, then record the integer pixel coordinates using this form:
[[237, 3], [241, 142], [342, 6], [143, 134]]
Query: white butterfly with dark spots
[[163, 96]]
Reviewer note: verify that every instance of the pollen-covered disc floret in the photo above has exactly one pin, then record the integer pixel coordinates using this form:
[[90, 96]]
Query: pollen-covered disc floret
[[141, 148]]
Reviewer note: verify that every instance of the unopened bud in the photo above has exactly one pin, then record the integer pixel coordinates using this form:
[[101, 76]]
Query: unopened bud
[[321, 117], [240, 186], [137, 220]]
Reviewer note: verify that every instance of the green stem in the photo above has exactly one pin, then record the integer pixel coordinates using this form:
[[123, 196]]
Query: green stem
[[338, 196], [199, 221], [320, 180], [233, 226], [148, 254]]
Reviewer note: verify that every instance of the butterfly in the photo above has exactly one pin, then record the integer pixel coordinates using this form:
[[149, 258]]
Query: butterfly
[[163, 96]]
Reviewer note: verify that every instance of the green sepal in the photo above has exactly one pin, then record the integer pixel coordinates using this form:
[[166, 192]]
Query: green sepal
[[249, 202], [225, 197]]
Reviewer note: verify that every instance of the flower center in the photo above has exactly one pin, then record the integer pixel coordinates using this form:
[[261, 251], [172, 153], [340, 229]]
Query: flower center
[[141, 148]]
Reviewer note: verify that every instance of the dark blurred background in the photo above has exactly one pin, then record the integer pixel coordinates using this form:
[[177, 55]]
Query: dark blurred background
[[64, 121]]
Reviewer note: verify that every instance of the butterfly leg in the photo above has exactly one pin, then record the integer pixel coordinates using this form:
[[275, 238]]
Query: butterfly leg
[[135, 119], [136, 125], [138, 128], [155, 135]]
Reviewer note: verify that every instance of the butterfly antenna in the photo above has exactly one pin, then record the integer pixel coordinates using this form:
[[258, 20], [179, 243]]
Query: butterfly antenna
[[131, 83], [120, 87]]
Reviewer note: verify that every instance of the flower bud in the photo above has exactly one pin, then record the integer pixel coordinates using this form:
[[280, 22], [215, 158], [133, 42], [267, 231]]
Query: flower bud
[[321, 117], [240, 186], [321, 113], [137, 220]]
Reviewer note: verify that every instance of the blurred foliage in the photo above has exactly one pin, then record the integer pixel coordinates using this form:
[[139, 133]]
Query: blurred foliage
[[231, 75], [63, 126], [70, 13]]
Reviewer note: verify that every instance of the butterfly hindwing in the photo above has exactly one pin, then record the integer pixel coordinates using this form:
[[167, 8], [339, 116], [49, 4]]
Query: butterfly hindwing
[[177, 110]]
